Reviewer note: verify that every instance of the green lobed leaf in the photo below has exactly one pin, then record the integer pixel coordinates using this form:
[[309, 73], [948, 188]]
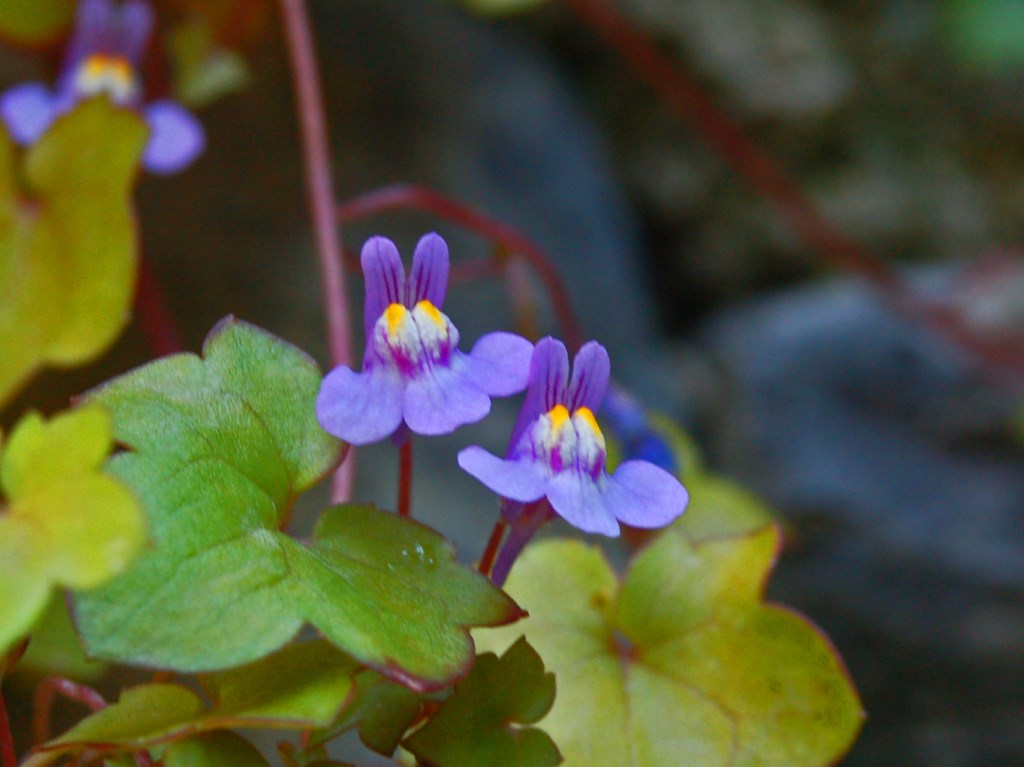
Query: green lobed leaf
[[215, 749], [382, 711], [302, 686], [68, 254], [66, 523], [481, 724], [683, 663], [220, 447], [36, 22]]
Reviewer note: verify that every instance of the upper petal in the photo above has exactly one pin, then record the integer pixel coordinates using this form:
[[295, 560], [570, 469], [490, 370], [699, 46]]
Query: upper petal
[[549, 375], [641, 494], [428, 279], [576, 497], [176, 138], [518, 480], [360, 408], [441, 399], [384, 276], [94, 24], [500, 363], [28, 110], [590, 372], [135, 28]]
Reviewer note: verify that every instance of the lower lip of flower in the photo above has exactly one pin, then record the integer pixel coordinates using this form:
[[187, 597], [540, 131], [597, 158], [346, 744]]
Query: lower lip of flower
[[414, 339], [565, 441]]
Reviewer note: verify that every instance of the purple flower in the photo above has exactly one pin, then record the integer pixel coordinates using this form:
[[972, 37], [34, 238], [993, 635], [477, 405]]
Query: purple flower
[[557, 452], [102, 58], [412, 368]]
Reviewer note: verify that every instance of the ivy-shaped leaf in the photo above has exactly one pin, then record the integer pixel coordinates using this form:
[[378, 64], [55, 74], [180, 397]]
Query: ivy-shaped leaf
[[482, 723], [36, 22], [68, 254], [219, 449], [215, 749], [382, 710], [302, 686], [66, 523], [684, 663]]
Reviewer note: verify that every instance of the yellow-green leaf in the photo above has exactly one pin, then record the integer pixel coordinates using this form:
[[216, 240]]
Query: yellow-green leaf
[[682, 663], [66, 523], [68, 253]]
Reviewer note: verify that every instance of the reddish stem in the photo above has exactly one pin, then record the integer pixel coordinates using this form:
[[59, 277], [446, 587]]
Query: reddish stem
[[44, 697], [8, 758], [320, 193], [493, 544], [154, 318], [410, 197], [405, 477], [746, 158], [143, 759], [521, 531]]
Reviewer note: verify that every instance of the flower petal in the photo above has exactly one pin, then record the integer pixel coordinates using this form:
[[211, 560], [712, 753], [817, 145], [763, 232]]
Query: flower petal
[[549, 373], [93, 23], [576, 497], [135, 28], [500, 363], [590, 372], [176, 138], [28, 110], [360, 408], [441, 399], [641, 494], [428, 279], [518, 480], [384, 276]]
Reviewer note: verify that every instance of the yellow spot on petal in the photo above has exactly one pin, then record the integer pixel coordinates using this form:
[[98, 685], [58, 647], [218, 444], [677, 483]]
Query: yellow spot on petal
[[101, 73], [585, 414], [559, 415], [394, 314], [431, 311]]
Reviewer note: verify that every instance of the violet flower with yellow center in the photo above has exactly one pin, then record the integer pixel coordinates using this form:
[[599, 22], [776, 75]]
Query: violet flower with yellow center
[[102, 59], [557, 453], [413, 371]]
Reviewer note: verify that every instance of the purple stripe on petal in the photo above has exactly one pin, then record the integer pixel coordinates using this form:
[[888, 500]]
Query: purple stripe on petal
[[579, 501], [441, 399], [517, 480], [176, 138], [428, 279], [360, 408], [136, 25], [499, 363], [590, 372], [549, 373], [643, 495], [385, 279], [27, 111]]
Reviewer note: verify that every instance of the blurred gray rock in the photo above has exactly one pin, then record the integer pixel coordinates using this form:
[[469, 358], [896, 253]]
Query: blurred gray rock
[[889, 455]]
